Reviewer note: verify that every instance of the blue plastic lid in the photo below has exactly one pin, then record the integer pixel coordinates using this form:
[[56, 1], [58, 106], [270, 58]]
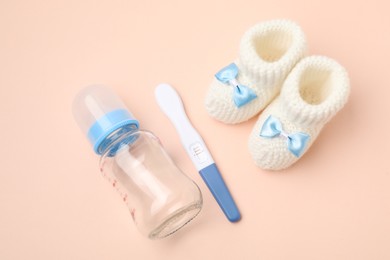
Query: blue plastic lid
[[99, 112]]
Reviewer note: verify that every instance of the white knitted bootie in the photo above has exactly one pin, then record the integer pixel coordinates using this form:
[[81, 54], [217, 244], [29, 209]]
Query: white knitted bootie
[[315, 90], [268, 52]]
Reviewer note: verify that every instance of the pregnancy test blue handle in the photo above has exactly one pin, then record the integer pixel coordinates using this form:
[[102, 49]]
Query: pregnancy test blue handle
[[217, 186]]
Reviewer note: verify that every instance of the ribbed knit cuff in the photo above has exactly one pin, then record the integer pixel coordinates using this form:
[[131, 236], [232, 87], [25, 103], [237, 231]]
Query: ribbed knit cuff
[[315, 90], [269, 50]]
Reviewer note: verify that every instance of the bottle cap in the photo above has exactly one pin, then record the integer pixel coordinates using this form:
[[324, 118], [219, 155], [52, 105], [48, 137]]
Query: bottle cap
[[99, 112]]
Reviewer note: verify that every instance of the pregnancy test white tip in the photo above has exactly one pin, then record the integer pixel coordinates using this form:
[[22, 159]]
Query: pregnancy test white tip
[[169, 100]]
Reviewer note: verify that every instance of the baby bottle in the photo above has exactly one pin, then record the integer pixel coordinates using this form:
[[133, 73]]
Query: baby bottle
[[160, 197]]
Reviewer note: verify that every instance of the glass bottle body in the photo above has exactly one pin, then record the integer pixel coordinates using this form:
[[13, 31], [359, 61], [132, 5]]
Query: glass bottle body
[[160, 197]]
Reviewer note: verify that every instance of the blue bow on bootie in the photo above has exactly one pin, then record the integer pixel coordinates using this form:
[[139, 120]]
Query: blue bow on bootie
[[242, 94], [296, 143]]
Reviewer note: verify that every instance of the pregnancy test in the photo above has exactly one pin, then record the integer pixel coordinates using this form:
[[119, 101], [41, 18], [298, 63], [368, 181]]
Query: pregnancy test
[[172, 106]]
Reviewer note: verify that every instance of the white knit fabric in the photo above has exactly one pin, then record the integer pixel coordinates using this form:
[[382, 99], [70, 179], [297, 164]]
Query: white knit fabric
[[315, 90], [268, 52]]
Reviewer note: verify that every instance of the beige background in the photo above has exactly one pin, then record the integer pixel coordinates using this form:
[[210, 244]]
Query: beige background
[[333, 204]]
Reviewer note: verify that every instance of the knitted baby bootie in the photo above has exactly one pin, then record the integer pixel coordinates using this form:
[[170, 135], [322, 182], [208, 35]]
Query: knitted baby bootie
[[315, 90], [268, 52]]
